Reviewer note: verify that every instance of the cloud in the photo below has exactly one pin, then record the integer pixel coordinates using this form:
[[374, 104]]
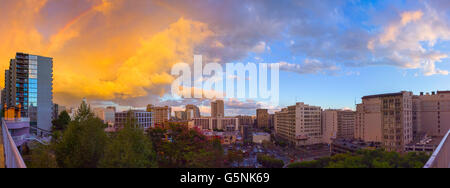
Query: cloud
[[309, 66], [259, 48], [145, 72], [104, 51], [408, 41]]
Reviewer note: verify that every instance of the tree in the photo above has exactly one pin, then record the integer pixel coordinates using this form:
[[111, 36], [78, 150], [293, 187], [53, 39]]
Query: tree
[[186, 149], [61, 123], [59, 126], [130, 148], [83, 143], [270, 162], [235, 156], [306, 164], [367, 159], [42, 157]]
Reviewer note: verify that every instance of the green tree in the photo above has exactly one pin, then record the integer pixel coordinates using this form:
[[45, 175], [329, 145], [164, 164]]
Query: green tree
[[306, 164], [129, 148], [270, 162], [368, 159], [235, 156], [187, 148], [61, 123], [83, 143], [42, 157], [59, 126]]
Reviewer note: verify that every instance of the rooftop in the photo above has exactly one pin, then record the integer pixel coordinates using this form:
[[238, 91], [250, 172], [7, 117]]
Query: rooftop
[[424, 139], [261, 133], [355, 144], [442, 92], [382, 95]]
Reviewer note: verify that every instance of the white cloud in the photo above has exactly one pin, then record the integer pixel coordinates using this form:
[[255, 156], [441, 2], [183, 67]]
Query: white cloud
[[260, 47], [409, 41]]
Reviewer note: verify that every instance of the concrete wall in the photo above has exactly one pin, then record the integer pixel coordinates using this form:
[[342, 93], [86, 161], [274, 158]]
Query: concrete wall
[[45, 93]]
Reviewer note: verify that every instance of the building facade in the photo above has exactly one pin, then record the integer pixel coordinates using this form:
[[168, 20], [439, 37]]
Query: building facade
[[299, 124], [211, 123], [431, 114], [262, 118], [142, 119], [161, 115], [180, 115], [192, 112], [338, 124], [107, 115], [29, 83], [217, 109], [368, 120], [246, 120], [386, 118]]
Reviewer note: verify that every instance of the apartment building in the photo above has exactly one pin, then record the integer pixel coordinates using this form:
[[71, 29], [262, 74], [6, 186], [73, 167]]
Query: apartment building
[[262, 118], [217, 109], [338, 124], [160, 115], [28, 83], [299, 124], [221, 123], [142, 119], [386, 118], [246, 120]]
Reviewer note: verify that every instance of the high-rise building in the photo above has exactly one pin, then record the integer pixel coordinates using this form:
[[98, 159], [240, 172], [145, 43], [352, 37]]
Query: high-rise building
[[386, 118], [28, 83], [299, 124], [192, 112], [262, 118], [338, 124], [160, 115], [217, 109]]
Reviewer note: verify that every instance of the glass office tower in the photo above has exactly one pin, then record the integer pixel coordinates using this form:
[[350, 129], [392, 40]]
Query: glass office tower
[[28, 85]]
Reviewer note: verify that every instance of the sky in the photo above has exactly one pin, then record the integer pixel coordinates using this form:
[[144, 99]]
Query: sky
[[331, 53]]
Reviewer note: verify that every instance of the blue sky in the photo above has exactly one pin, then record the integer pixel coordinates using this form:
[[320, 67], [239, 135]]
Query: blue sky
[[344, 87]]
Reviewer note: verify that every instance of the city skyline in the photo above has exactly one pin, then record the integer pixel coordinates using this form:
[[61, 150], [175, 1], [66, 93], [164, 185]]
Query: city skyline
[[117, 57]]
